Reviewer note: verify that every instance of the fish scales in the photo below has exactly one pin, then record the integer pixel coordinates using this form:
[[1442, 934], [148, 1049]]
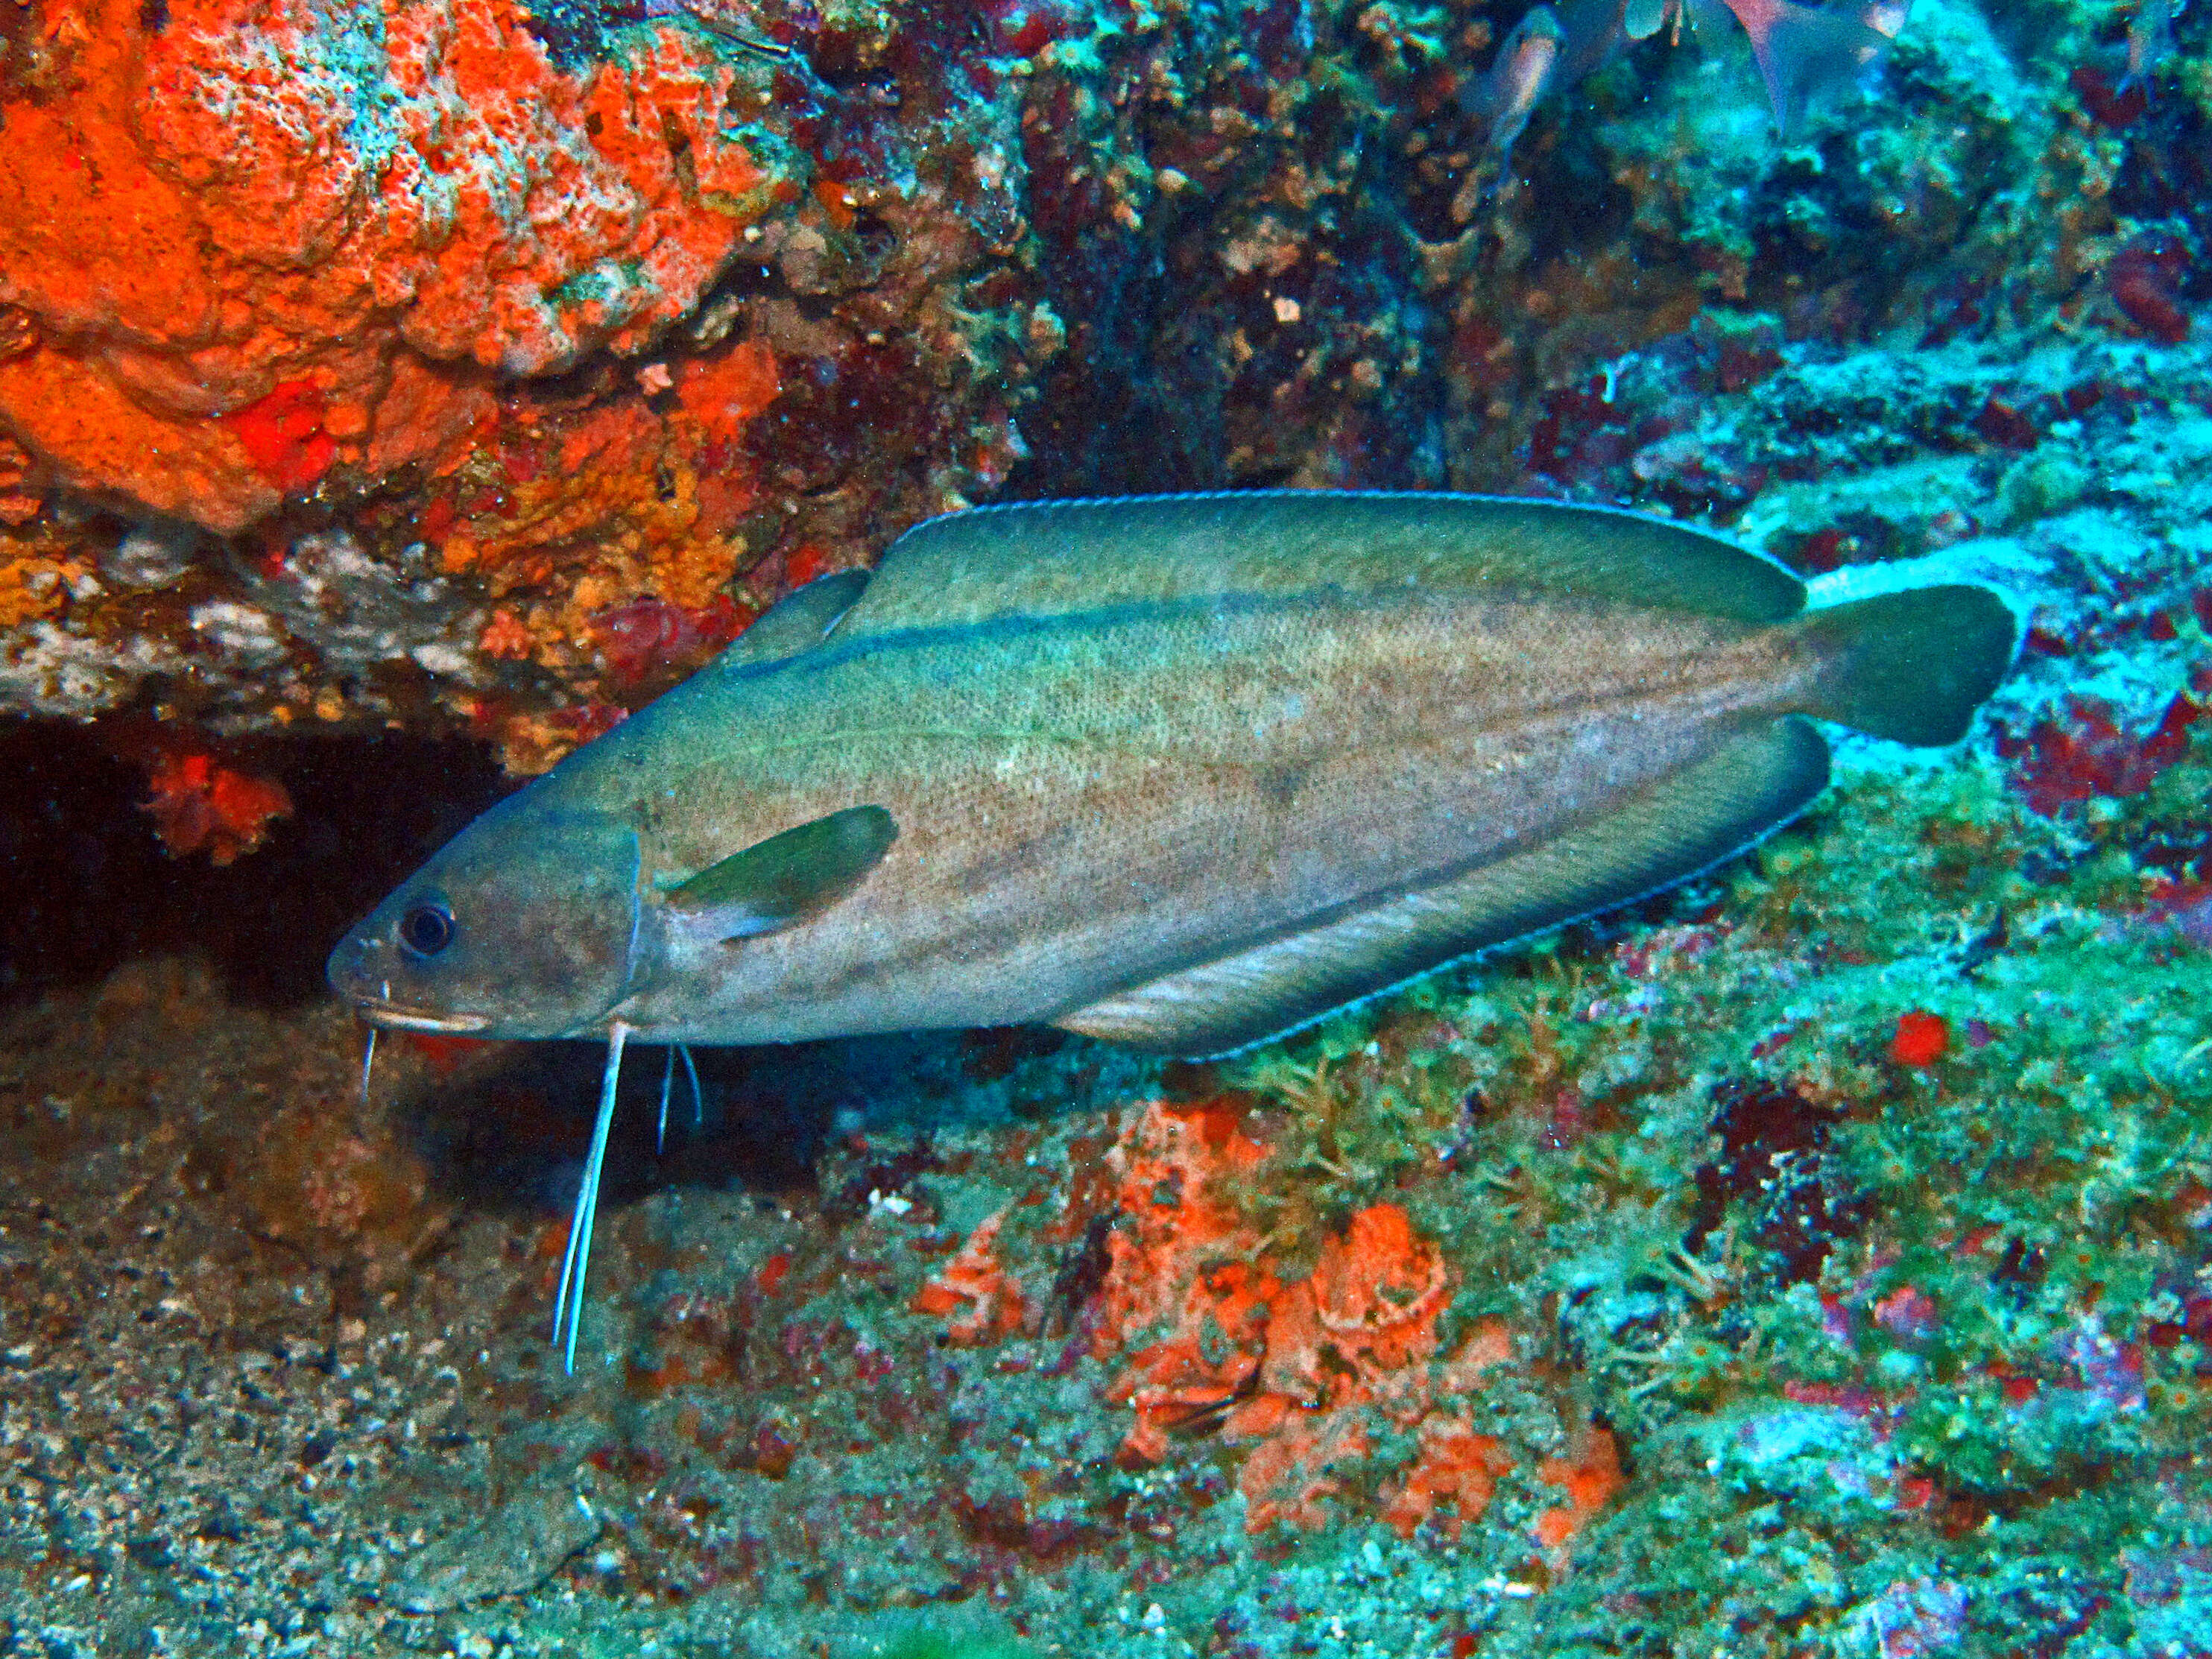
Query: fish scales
[[1168, 768], [1182, 772], [1107, 794]]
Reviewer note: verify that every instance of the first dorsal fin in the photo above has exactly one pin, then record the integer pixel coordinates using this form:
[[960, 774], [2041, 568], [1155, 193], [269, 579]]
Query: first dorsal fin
[[1684, 823], [1039, 559], [790, 876], [796, 621]]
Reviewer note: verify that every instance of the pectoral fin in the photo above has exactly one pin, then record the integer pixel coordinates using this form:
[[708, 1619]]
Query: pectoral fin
[[1685, 824], [790, 876]]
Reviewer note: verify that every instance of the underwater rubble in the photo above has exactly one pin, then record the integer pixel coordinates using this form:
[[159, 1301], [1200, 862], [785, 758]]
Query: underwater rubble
[[1813, 1259]]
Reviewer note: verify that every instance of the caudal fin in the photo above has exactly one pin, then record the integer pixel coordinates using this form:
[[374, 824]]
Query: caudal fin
[[1801, 50], [1912, 666]]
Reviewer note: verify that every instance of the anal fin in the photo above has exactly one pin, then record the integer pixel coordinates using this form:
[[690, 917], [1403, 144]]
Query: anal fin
[[1698, 817]]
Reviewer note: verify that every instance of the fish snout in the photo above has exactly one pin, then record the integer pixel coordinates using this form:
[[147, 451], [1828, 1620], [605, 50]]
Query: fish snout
[[351, 967], [359, 970]]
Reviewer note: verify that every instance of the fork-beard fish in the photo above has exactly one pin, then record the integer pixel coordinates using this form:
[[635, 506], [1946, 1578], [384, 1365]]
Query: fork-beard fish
[[1183, 772]]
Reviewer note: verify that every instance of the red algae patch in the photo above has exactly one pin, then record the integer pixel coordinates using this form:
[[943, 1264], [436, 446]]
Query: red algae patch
[[197, 804], [983, 1300], [1920, 1039], [2086, 752], [1592, 1478], [357, 219], [1305, 1372], [1458, 1469]]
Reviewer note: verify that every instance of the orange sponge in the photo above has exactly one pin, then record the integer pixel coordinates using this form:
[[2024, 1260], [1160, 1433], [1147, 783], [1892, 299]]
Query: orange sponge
[[270, 238]]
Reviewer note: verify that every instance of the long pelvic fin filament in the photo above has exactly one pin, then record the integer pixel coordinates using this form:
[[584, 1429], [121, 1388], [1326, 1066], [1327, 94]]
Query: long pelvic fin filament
[[698, 1100], [667, 1081], [568, 1300]]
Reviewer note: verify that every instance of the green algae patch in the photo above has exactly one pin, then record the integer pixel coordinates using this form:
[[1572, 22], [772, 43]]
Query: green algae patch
[[1891, 1346]]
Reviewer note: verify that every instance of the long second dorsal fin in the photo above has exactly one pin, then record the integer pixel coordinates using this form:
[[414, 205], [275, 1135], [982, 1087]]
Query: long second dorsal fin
[[1040, 559], [791, 875], [1700, 816]]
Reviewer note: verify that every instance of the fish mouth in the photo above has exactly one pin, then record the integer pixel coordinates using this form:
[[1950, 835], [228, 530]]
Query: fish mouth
[[398, 1017]]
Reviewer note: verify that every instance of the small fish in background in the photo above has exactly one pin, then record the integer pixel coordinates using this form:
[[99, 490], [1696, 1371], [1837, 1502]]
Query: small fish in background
[[1180, 772], [1801, 50], [2150, 39], [1518, 77]]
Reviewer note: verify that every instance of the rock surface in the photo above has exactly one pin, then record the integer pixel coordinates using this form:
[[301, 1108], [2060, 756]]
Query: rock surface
[[482, 369]]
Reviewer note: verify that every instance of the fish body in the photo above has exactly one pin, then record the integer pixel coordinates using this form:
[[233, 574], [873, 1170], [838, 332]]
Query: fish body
[[1184, 772], [1507, 95], [1106, 798], [1179, 771]]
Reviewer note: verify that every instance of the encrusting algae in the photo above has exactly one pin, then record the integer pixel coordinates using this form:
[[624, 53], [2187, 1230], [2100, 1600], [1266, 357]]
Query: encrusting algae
[[343, 247], [1212, 1334]]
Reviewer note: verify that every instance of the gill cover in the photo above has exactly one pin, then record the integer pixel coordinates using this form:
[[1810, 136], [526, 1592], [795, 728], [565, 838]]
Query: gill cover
[[525, 925]]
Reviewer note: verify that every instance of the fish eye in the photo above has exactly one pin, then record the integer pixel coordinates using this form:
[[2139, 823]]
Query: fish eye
[[427, 928]]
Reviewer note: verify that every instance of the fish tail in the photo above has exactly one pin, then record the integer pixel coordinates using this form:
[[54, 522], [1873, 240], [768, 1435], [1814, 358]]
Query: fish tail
[[1800, 50], [1911, 666]]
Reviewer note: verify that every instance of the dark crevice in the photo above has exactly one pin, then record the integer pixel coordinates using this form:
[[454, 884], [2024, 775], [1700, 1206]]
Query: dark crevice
[[91, 886]]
